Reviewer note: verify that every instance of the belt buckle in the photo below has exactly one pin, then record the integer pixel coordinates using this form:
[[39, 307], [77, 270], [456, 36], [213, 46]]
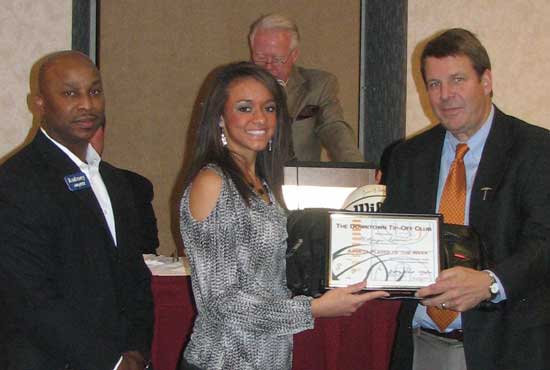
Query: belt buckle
[[456, 334]]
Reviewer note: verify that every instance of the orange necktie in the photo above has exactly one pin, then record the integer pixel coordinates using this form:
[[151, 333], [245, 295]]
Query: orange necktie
[[452, 205]]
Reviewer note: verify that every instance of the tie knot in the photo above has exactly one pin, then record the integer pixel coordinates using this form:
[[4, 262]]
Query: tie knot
[[461, 150]]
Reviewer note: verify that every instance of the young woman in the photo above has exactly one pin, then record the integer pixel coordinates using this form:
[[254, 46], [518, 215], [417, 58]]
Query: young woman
[[234, 231]]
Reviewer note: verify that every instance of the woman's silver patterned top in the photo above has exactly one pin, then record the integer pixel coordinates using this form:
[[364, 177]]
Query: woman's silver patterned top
[[246, 317]]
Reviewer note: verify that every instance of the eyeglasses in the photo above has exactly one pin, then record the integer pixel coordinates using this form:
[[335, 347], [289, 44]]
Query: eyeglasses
[[274, 61]]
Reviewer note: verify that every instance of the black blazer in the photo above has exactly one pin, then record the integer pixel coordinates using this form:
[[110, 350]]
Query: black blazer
[[143, 192], [514, 222], [72, 297]]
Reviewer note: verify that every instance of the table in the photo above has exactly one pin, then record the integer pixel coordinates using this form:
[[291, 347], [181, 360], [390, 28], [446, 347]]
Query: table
[[174, 315], [360, 342]]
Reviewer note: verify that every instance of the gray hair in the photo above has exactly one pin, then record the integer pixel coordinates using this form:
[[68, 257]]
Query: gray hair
[[276, 22]]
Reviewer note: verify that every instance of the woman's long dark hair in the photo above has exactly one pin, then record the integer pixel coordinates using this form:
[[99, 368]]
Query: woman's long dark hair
[[205, 132]]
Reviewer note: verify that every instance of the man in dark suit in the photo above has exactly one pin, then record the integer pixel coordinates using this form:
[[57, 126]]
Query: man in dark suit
[[504, 312], [76, 289], [312, 95]]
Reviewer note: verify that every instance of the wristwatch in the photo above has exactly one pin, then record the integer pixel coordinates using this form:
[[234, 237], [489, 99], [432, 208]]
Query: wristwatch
[[493, 288]]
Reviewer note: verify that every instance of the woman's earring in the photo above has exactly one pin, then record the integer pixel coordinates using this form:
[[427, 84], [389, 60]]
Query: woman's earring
[[222, 135], [270, 145]]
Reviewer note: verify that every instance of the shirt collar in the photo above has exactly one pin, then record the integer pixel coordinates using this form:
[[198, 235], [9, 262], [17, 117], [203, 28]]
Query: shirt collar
[[477, 141], [92, 158], [283, 83]]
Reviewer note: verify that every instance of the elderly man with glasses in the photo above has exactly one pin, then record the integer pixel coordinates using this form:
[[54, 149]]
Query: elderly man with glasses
[[312, 95]]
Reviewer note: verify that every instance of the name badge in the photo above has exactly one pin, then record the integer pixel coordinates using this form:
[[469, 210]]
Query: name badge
[[77, 181]]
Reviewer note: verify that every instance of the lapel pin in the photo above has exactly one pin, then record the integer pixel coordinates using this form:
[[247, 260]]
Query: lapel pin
[[485, 190]]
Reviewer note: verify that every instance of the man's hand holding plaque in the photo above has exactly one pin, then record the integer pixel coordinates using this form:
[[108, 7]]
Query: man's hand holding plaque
[[458, 289]]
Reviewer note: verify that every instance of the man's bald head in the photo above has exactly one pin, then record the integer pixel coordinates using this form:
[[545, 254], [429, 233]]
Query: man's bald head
[[53, 59]]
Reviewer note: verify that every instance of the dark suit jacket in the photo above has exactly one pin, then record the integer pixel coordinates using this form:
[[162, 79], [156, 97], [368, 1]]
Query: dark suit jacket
[[71, 296], [514, 222], [142, 189], [322, 122]]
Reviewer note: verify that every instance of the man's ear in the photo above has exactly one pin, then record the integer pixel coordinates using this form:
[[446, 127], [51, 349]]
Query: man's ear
[[39, 104], [294, 55], [487, 81]]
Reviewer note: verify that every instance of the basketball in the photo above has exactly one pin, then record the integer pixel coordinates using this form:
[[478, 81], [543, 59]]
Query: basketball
[[368, 198]]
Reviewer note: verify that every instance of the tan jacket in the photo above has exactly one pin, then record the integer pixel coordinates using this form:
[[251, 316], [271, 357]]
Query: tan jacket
[[317, 117]]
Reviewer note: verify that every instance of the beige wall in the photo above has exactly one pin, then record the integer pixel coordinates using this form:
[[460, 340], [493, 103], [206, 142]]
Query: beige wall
[[155, 55], [516, 34], [29, 29]]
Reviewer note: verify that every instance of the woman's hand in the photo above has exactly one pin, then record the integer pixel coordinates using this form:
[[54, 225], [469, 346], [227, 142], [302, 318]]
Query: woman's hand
[[343, 301]]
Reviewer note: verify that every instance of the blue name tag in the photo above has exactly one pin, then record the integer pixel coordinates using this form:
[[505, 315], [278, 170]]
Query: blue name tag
[[77, 181]]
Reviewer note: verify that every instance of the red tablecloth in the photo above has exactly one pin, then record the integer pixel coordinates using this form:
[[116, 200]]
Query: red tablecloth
[[360, 342]]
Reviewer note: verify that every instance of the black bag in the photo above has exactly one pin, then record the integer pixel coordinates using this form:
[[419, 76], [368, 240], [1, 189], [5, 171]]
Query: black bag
[[462, 246], [306, 251], [307, 245]]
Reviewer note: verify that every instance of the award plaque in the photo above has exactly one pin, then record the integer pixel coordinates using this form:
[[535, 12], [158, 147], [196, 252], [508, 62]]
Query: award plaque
[[393, 252]]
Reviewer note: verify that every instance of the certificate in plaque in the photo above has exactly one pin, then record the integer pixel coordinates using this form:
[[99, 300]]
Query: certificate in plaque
[[394, 252]]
